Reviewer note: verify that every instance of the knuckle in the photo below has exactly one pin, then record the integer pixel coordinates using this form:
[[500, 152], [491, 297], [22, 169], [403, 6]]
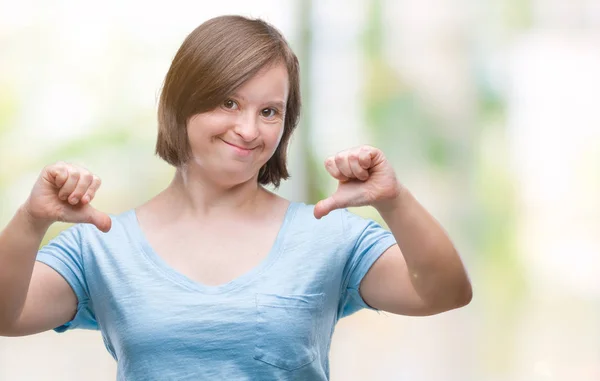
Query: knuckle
[[50, 168], [87, 177]]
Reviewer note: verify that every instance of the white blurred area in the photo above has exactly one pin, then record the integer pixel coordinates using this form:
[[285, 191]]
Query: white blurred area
[[554, 131], [555, 134], [70, 70]]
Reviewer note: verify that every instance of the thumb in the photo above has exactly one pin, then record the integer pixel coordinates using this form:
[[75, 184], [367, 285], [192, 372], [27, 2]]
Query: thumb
[[324, 207], [100, 219]]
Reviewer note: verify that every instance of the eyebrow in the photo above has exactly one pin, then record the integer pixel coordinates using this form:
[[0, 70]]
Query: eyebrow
[[279, 104]]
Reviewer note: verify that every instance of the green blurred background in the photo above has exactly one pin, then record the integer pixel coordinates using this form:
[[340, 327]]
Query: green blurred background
[[488, 111]]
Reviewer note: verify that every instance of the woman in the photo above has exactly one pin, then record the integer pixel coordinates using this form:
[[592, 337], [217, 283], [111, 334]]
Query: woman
[[216, 277]]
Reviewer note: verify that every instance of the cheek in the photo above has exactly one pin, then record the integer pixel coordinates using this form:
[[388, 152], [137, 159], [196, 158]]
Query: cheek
[[194, 127], [276, 135], [203, 126]]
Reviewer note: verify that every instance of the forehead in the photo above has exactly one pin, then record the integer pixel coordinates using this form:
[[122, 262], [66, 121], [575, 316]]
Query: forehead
[[271, 83]]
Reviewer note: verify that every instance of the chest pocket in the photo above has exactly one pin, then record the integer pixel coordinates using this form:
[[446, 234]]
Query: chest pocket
[[286, 329]]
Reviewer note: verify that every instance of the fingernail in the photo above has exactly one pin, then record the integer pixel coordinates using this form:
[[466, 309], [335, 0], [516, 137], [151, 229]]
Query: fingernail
[[73, 200], [85, 199]]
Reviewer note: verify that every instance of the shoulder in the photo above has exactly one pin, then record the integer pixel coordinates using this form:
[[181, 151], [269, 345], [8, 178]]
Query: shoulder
[[123, 227]]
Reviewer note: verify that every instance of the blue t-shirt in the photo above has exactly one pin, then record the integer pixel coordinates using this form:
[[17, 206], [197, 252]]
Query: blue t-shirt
[[275, 322]]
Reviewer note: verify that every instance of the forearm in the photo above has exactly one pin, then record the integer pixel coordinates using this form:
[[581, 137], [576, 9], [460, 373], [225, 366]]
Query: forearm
[[435, 268], [19, 243]]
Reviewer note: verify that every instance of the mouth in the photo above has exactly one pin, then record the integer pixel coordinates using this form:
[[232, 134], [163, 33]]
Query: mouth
[[244, 149]]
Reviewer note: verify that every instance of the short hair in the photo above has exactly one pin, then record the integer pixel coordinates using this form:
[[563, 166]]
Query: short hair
[[214, 60]]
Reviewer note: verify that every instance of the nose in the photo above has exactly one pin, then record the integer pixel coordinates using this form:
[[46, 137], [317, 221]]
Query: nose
[[247, 128]]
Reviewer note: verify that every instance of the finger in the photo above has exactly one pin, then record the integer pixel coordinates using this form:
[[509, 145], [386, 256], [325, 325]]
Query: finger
[[333, 170], [91, 191], [102, 221], [341, 161], [358, 171], [69, 185], [324, 207], [365, 158], [93, 216], [59, 174], [85, 180]]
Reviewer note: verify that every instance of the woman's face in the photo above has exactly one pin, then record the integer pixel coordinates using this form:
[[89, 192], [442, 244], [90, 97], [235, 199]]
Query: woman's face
[[232, 142]]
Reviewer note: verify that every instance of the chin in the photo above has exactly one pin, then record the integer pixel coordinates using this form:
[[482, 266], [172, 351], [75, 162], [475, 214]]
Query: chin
[[227, 173], [231, 178]]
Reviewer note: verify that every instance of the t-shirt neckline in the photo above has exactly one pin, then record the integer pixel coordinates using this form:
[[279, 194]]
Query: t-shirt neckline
[[176, 276]]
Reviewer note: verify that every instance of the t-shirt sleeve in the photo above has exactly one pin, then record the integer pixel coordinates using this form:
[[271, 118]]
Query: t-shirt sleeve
[[64, 254], [368, 240]]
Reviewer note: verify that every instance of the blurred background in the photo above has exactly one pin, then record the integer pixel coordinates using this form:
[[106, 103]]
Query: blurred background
[[489, 111]]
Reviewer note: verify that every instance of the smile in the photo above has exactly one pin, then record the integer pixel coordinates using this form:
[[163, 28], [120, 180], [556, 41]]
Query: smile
[[239, 149]]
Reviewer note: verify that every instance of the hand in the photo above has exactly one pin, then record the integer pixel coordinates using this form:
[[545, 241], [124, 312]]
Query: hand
[[365, 178], [63, 192]]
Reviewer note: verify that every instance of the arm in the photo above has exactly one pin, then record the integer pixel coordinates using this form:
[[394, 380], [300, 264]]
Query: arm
[[423, 274], [34, 297], [28, 287]]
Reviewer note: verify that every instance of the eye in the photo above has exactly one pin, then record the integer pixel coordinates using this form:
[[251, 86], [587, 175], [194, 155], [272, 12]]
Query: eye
[[268, 112], [230, 104]]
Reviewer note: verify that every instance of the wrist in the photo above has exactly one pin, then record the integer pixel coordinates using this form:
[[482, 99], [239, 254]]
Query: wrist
[[393, 204], [34, 224]]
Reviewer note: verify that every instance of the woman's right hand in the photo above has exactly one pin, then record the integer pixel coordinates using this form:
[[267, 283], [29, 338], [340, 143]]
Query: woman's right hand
[[63, 192]]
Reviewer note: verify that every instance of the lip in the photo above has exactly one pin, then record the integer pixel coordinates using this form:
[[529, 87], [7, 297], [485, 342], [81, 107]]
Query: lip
[[238, 147]]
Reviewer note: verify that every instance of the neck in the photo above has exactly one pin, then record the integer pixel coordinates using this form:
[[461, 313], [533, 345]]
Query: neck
[[197, 195]]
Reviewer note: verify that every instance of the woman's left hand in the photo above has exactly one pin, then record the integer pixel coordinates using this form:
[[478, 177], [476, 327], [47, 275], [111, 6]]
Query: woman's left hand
[[365, 178]]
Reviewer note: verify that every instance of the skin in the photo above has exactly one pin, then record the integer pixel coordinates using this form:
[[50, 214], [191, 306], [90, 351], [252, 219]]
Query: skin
[[217, 191], [423, 274]]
